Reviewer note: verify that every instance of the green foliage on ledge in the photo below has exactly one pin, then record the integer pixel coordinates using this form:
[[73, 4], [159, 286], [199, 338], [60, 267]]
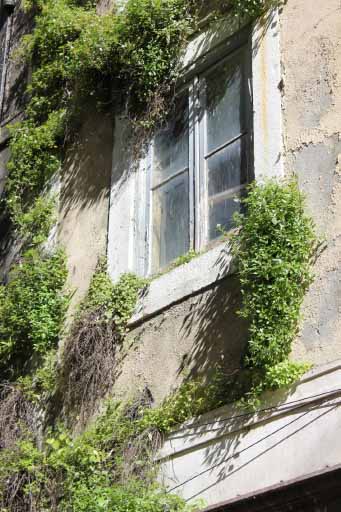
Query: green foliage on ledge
[[114, 301], [274, 249]]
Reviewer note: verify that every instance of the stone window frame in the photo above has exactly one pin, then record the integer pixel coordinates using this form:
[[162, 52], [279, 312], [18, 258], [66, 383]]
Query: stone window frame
[[126, 246]]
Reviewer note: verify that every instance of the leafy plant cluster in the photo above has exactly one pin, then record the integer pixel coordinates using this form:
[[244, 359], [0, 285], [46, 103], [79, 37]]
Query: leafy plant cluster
[[253, 8], [82, 474], [33, 304], [78, 56], [110, 466], [274, 247], [114, 301], [32, 308], [128, 57]]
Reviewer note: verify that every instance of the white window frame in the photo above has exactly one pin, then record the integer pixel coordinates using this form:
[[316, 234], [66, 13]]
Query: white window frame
[[197, 170], [127, 223]]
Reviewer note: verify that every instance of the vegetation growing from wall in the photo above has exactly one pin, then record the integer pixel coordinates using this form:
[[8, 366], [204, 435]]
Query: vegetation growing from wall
[[96, 335], [274, 248], [32, 309], [128, 57], [90, 473], [110, 466], [77, 55]]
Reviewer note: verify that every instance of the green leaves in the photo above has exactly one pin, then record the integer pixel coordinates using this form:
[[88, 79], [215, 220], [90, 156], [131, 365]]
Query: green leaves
[[32, 306], [113, 301], [76, 56], [274, 249], [85, 472], [253, 8]]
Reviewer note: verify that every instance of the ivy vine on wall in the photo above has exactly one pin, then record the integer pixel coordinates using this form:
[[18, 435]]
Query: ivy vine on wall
[[274, 249], [127, 57]]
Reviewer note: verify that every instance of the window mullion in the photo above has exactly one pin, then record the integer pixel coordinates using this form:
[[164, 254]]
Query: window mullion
[[201, 163], [149, 206], [191, 172], [247, 70]]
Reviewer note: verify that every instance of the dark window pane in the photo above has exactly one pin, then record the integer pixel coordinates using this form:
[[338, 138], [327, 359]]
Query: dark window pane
[[170, 221], [171, 153], [225, 169], [223, 103], [221, 211]]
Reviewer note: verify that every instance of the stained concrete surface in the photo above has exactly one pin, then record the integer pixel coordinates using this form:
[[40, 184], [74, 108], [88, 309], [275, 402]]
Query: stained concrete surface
[[84, 200], [311, 67], [190, 339]]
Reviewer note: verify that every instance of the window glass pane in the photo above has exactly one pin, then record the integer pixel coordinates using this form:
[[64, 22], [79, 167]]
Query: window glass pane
[[170, 221], [226, 169], [171, 145], [221, 211], [223, 103]]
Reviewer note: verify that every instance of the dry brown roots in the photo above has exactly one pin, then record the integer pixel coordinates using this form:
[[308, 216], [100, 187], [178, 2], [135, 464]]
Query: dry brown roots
[[89, 363], [18, 419], [17, 415]]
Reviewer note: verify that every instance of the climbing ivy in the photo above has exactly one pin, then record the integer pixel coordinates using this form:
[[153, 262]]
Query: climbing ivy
[[111, 464], [92, 347], [114, 301], [274, 248], [78, 56], [127, 58], [35, 157]]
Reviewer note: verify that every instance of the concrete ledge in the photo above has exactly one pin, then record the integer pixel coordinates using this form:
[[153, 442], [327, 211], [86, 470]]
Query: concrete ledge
[[217, 456], [188, 279], [319, 384]]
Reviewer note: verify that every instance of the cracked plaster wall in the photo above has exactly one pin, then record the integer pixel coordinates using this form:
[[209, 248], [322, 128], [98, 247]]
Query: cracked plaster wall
[[311, 67]]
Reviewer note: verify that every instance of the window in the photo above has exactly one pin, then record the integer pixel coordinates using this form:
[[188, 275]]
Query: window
[[200, 161]]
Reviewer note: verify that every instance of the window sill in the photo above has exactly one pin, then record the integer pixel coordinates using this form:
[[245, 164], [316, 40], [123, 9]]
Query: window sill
[[181, 282]]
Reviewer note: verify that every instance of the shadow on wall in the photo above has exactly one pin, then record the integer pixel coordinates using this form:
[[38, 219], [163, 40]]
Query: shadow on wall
[[234, 447], [220, 335], [230, 33], [87, 165], [84, 198]]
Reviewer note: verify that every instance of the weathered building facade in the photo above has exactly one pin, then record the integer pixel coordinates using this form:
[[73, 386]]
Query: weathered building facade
[[267, 97]]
